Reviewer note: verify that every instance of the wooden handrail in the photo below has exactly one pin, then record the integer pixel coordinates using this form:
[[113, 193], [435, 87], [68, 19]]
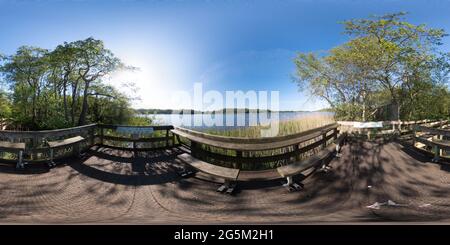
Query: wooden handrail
[[437, 131], [156, 128]]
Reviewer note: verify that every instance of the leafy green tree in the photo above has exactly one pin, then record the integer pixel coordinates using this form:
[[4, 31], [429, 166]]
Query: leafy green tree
[[388, 62], [5, 106], [64, 87]]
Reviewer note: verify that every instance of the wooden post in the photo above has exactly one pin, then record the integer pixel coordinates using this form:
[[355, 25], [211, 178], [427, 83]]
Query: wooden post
[[297, 152], [76, 149], [19, 162], [194, 149], [167, 138], [134, 138], [34, 143], [92, 135], [324, 138], [178, 139], [238, 159], [436, 154], [101, 135]]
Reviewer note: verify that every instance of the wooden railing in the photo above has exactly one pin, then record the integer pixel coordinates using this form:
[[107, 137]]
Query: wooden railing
[[256, 153], [388, 127], [160, 138], [95, 134], [433, 140], [35, 141]]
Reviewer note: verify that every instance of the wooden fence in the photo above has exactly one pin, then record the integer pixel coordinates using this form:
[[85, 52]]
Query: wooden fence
[[95, 134], [433, 140]]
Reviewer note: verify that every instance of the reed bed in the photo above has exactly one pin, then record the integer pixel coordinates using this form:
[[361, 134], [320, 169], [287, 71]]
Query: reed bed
[[284, 127]]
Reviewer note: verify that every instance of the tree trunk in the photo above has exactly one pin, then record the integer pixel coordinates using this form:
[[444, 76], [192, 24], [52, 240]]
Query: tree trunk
[[74, 101], [84, 107], [66, 113]]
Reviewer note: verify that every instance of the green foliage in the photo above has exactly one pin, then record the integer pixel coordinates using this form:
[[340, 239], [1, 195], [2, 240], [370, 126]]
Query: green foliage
[[140, 121], [5, 106], [63, 87], [388, 70]]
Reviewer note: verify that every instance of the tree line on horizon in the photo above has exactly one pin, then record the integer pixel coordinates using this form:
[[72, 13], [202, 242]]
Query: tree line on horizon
[[389, 69], [63, 87]]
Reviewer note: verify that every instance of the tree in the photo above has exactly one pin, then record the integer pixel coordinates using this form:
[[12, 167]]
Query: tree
[[64, 87], [386, 62], [5, 106], [26, 72], [95, 62]]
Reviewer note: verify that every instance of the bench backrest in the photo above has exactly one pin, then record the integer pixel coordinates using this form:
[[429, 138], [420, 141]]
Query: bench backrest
[[254, 144]]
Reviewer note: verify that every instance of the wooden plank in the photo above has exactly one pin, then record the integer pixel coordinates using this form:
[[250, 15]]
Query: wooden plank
[[155, 128], [65, 142], [433, 130], [442, 144], [123, 139], [298, 167], [218, 171], [12, 146]]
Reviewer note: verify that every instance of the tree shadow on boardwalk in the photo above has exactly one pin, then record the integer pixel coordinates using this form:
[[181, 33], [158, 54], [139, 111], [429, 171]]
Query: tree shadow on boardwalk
[[125, 168]]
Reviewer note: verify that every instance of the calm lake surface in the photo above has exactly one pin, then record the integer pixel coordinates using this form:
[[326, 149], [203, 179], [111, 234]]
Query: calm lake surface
[[222, 121]]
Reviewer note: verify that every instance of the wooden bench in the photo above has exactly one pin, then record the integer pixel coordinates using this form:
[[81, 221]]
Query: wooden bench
[[290, 170], [61, 143], [230, 175], [436, 144], [18, 148]]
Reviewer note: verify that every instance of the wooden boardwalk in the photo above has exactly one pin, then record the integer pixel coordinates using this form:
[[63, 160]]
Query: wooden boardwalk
[[110, 186]]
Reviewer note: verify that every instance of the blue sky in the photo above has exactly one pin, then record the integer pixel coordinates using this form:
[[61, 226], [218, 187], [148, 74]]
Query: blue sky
[[226, 45]]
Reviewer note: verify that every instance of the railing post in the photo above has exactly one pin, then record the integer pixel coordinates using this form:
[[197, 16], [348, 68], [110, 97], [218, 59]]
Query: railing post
[[101, 135], [92, 135], [324, 139], [34, 142], [436, 154], [238, 159], [167, 138], [297, 152], [194, 149]]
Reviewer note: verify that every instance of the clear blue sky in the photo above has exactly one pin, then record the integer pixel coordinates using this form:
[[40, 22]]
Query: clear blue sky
[[227, 45]]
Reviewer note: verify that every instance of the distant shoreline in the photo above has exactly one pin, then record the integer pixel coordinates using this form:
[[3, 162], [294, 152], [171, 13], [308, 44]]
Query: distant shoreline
[[223, 111]]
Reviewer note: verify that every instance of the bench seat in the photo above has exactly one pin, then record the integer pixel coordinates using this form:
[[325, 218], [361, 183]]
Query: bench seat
[[64, 142], [18, 148], [218, 171], [298, 167], [12, 146]]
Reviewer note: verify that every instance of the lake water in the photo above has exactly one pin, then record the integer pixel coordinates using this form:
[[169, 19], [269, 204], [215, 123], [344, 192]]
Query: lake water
[[227, 121]]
